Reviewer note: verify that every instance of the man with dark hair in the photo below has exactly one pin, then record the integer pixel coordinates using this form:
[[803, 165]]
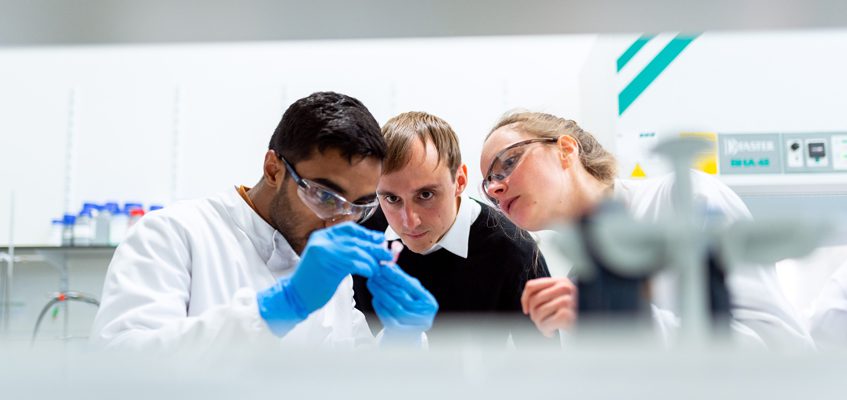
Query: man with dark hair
[[473, 260], [272, 261]]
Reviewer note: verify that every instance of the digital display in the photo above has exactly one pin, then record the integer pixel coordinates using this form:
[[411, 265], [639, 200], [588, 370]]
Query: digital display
[[817, 150]]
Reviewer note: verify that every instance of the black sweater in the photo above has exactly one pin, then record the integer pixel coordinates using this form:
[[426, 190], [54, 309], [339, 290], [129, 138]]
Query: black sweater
[[485, 286]]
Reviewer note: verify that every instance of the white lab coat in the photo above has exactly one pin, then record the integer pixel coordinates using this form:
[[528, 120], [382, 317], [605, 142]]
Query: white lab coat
[[829, 321], [186, 276], [758, 302]]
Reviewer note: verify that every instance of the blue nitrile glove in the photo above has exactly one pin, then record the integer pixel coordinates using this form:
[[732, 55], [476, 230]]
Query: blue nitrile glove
[[404, 306], [330, 255]]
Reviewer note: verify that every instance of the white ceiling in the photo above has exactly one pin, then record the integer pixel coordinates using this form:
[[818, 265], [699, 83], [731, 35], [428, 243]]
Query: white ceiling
[[52, 22]]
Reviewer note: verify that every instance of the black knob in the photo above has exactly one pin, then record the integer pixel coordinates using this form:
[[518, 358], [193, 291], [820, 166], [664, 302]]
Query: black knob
[[795, 146]]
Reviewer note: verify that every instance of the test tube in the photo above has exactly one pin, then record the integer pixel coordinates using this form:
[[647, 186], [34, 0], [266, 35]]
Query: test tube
[[396, 248]]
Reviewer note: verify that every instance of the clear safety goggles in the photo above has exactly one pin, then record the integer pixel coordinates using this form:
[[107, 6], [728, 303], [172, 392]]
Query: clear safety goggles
[[505, 162], [326, 203]]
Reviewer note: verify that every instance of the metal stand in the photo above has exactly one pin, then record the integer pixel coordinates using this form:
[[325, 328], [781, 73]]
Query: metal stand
[[59, 260], [9, 272]]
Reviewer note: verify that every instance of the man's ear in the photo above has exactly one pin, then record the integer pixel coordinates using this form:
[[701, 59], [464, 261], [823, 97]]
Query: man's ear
[[273, 170], [568, 150], [461, 179]]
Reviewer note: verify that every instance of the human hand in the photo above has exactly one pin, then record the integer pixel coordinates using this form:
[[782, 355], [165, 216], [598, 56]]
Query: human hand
[[550, 303], [403, 305], [330, 255]]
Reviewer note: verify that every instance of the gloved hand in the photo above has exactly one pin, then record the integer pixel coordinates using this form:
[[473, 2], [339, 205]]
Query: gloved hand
[[330, 255], [404, 306]]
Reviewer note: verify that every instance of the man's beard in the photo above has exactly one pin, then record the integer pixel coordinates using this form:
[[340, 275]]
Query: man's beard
[[285, 220]]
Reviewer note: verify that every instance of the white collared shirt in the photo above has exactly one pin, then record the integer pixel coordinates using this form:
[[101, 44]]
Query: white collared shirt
[[457, 237]]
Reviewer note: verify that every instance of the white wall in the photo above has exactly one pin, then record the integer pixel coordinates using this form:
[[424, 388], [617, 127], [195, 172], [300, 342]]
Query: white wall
[[161, 123], [750, 82]]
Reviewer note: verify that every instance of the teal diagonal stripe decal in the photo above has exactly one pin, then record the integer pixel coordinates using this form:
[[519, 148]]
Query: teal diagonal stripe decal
[[632, 50], [652, 70]]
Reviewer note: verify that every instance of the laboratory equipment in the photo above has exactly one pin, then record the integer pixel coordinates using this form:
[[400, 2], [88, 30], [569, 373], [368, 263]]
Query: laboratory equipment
[[679, 241], [135, 214], [61, 297], [102, 224], [84, 227], [56, 228], [68, 222], [118, 225], [396, 247]]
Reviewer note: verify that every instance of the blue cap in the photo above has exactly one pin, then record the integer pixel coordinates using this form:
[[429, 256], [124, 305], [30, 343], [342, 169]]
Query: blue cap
[[129, 206], [112, 207], [68, 219], [154, 207], [90, 206]]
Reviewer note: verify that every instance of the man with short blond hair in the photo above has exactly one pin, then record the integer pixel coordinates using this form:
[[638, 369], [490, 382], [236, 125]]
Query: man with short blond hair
[[470, 257]]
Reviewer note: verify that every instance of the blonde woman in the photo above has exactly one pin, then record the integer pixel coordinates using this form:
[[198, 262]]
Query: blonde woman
[[541, 170]]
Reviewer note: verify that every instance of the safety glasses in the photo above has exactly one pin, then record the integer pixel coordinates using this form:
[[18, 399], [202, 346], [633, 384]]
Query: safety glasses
[[325, 203], [505, 162]]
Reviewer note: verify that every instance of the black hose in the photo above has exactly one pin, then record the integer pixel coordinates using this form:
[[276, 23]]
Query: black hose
[[58, 298]]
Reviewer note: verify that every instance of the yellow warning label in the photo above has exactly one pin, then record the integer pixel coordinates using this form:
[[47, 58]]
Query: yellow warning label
[[637, 172], [708, 160]]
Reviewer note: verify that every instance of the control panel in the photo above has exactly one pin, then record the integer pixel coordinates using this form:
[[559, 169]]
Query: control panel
[[778, 153]]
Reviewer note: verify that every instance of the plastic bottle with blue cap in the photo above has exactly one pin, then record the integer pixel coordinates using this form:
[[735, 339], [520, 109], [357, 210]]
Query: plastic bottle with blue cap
[[103, 224], [56, 227], [84, 225], [68, 222]]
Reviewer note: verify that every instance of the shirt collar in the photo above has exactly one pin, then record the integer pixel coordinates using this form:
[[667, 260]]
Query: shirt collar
[[268, 242], [457, 237]]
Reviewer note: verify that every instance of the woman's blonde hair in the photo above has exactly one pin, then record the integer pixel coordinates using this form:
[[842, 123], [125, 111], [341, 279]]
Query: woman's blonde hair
[[594, 158]]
